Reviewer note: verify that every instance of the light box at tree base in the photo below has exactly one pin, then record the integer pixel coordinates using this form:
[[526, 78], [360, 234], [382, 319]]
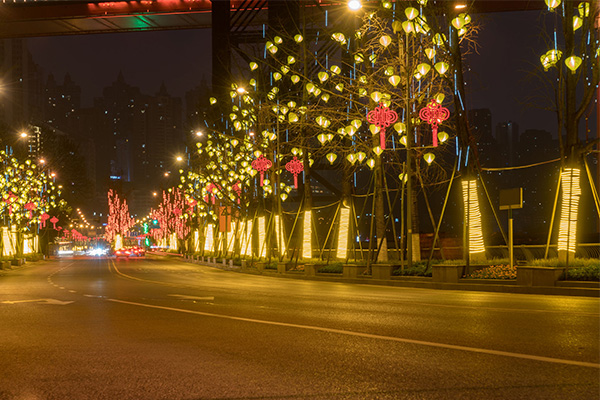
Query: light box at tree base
[[306, 236], [473, 219], [571, 193]]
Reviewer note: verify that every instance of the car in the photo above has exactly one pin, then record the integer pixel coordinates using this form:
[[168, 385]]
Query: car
[[122, 253]]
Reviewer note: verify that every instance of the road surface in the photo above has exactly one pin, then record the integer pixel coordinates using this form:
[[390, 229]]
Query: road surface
[[164, 329]]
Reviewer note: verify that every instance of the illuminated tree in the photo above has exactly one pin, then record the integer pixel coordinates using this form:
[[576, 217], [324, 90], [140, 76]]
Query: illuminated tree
[[172, 216], [119, 219], [573, 61]]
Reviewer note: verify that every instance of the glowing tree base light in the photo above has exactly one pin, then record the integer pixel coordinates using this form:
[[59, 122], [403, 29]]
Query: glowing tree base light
[[473, 216], [173, 241], [209, 238], [196, 241], [118, 242], [307, 236], [278, 232], [261, 236], [8, 248], [247, 239], [567, 231], [342, 249]]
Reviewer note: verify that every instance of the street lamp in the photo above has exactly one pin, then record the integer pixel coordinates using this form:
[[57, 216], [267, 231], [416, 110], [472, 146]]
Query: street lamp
[[354, 5]]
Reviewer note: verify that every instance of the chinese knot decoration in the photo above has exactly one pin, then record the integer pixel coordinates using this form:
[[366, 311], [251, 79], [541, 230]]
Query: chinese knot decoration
[[382, 117], [261, 164], [43, 219], [30, 207], [9, 201], [237, 188], [295, 167], [434, 114], [54, 220]]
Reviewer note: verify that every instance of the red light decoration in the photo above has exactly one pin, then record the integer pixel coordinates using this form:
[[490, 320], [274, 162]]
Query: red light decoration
[[54, 220], [43, 219], [382, 117], [237, 188], [295, 166], [10, 200], [119, 219], [30, 207], [262, 164], [433, 113]]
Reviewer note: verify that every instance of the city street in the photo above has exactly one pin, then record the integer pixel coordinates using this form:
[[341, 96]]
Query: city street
[[164, 329]]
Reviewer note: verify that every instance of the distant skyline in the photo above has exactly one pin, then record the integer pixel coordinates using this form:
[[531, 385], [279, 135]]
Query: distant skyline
[[509, 46]]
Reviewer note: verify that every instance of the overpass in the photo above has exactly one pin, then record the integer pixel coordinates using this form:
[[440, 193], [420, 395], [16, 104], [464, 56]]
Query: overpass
[[32, 18]]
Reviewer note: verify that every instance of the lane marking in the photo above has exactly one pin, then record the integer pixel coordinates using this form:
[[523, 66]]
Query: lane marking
[[41, 301], [371, 336], [114, 266], [186, 297]]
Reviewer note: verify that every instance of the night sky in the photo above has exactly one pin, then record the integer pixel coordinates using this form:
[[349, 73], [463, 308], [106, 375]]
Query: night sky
[[509, 43]]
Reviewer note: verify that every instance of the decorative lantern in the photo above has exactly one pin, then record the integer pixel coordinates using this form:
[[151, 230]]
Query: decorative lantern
[[262, 164], [382, 117], [295, 167], [434, 114]]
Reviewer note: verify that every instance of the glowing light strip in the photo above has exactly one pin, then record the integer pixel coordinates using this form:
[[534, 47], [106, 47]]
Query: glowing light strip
[[306, 238], [28, 245], [473, 216], [196, 241], [342, 249], [261, 236], [209, 238], [173, 241], [247, 239], [278, 233], [571, 192], [230, 237], [118, 241]]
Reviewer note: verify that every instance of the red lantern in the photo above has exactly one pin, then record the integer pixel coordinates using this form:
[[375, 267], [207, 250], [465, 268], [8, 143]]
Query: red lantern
[[295, 167], [261, 164], [30, 207], [43, 219], [382, 117], [434, 114]]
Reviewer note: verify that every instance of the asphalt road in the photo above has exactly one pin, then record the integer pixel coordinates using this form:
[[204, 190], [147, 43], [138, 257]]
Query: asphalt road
[[152, 329]]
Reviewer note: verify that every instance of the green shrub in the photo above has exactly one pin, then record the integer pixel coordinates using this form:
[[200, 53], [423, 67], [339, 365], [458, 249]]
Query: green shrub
[[333, 268], [586, 273], [419, 268]]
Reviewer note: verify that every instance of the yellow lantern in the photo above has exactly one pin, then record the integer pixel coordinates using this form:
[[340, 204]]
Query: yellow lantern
[[295, 79], [573, 63], [584, 9], [374, 129], [458, 22], [439, 97], [212, 101], [331, 157], [298, 38], [371, 163], [283, 196], [441, 67], [291, 59], [429, 157], [253, 66], [411, 13], [339, 87], [376, 96], [277, 76], [385, 40], [443, 136], [351, 158], [423, 68], [310, 87], [577, 22], [323, 76], [361, 156], [430, 53], [325, 97], [403, 140], [394, 80], [335, 69], [377, 150], [408, 27], [322, 138], [552, 4], [356, 123]]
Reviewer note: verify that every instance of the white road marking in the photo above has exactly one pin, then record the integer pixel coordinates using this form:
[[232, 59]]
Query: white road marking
[[41, 301], [372, 336], [185, 297]]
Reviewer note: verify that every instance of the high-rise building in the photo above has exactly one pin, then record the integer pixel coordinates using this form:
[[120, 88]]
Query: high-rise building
[[507, 137]]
